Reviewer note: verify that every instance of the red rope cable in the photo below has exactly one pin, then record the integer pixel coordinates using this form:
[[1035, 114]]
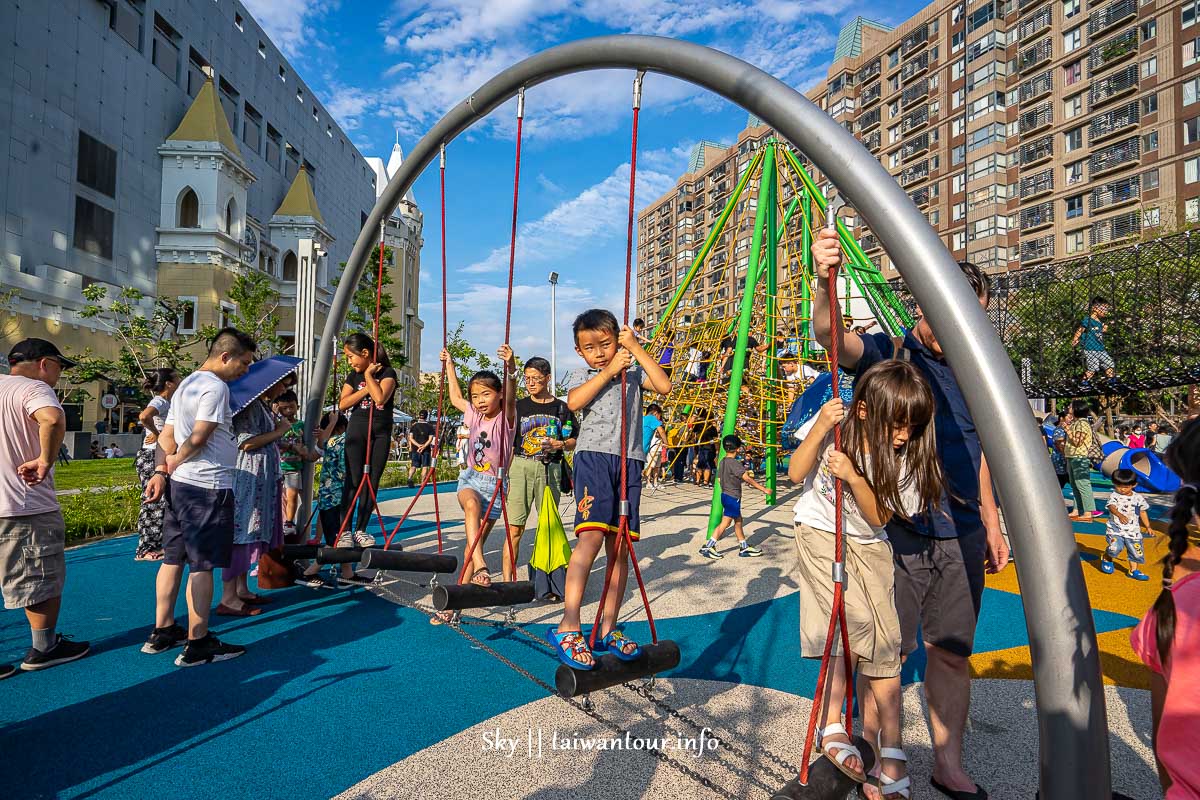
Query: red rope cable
[[837, 616], [624, 538]]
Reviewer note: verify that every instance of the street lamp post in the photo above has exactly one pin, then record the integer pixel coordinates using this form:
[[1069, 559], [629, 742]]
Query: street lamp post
[[553, 336]]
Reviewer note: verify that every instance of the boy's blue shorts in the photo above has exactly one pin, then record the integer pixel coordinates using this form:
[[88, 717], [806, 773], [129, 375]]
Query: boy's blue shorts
[[598, 493], [731, 506]]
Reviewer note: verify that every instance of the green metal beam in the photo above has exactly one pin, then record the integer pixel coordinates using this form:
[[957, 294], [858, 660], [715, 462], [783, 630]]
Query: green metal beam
[[770, 186]]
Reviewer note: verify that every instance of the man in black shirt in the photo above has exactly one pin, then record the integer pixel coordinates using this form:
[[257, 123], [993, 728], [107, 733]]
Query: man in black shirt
[[420, 441], [727, 347]]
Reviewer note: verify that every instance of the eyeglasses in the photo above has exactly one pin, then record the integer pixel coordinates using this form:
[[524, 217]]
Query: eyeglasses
[[535, 379]]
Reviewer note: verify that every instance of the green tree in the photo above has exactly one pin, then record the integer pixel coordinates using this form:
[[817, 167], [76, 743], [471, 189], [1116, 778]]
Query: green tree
[[256, 310], [148, 341], [362, 313], [467, 361]]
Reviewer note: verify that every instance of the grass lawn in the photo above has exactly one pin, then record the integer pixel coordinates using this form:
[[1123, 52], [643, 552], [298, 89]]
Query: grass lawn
[[94, 473]]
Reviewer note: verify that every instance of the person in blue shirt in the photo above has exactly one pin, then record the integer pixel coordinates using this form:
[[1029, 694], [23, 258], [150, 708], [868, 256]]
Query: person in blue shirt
[[941, 556], [652, 444], [1089, 336]]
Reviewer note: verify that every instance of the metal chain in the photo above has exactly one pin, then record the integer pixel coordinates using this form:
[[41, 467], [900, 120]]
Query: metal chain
[[586, 709]]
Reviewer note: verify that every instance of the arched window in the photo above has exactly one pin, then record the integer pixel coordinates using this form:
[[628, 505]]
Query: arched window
[[231, 218], [290, 270], [189, 209]]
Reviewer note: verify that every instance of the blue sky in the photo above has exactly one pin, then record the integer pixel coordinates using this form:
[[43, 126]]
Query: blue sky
[[387, 67]]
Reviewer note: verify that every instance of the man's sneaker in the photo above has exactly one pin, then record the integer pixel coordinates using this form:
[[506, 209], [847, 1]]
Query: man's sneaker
[[314, 581], [206, 651], [163, 639], [750, 551], [710, 552], [363, 539], [64, 650], [7, 671], [345, 539], [1138, 575]]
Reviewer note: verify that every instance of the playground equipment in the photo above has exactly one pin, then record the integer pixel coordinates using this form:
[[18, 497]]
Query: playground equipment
[[1074, 759], [1153, 475]]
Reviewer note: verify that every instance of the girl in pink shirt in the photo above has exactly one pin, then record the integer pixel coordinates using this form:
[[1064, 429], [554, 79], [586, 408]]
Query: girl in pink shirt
[[489, 412], [1168, 637]]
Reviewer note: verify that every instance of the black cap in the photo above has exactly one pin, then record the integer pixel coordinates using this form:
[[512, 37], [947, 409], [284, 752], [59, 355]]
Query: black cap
[[35, 349]]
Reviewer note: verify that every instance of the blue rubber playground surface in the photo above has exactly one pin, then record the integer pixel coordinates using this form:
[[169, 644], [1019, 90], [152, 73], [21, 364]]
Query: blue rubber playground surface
[[335, 685]]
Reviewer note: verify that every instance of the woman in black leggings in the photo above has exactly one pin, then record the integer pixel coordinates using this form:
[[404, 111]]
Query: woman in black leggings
[[368, 395]]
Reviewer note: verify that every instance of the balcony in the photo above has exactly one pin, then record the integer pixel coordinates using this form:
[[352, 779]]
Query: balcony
[[1035, 24], [1116, 228], [1111, 122], [869, 119], [1105, 18], [1037, 150], [870, 71], [1037, 216], [1035, 118], [1036, 86], [873, 141], [917, 172], [1034, 56], [918, 91], [914, 146], [916, 66], [871, 93], [1112, 52], [1040, 183], [1024, 4], [915, 40], [1114, 156], [1115, 85], [1115, 193], [1037, 249], [920, 196], [869, 243], [915, 120]]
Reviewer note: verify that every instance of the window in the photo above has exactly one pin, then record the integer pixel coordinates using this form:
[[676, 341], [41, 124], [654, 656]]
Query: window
[[1187, 14], [957, 40], [1073, 106], [1075, 239], [262, 49], [894, 59], [1191, 53], [226, 316], [894, 160], [992, 101], [189, 210], [959, 69], [164, 51], [1191, 210], [231, 101], [959, 242], [97, 167], [1072, 39], [125, 18], [1191, 170], [274, 146], [1150, 67], [314, 113], [197, 65], [300, 96], [1150, 104], [935, 217], [1073, 173], [1074, 206], [1150, 142], [958, 212], [1149, 30], [985, 166], [1073, 72], [988, 134], [237, 22], [186, 322], [958, 184], [282, 74], [1150, 217], [989, 226], [1073, 139], [291, 163], [958, 98], [93, 228], [252, 128], [981, 16], [958, 155], [1070, 8], [959, 125], [1150, 179], [1191, 91], [290, 270]]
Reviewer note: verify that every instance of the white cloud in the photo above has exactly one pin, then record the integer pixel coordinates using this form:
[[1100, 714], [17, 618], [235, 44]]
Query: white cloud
[[595, 215], [289, 23], [548, 185], [347, 104]]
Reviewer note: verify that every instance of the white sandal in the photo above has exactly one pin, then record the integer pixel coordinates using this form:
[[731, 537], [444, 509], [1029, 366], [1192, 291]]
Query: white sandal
[[838, 752], [891, 786]]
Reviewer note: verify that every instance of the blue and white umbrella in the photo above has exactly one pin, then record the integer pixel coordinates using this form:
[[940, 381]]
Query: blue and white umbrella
[[261, 376]]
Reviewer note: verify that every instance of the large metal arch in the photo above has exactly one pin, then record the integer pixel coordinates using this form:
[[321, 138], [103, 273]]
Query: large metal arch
[[1074, 752]]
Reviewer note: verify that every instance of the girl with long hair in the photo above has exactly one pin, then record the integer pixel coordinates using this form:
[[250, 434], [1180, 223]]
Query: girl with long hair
[[371, 382], [161, 384], [889, 467], [1168, 638]]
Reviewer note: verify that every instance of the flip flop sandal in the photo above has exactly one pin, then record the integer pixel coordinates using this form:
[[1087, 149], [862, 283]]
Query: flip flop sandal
[[615, 643], [569, 646], [226, 611], [258, 600], [889, 787], [838, 752], [481, 577], [959, 794]]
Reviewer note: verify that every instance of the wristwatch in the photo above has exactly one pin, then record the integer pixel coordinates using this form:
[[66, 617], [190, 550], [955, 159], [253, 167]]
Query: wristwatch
[[162, 472]]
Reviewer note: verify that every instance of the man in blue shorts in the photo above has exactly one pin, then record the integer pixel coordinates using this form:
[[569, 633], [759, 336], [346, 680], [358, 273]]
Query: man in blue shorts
[[941, 558]]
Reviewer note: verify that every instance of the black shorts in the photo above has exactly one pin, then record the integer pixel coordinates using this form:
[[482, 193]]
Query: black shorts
[[198, 527], [934, 580], [598, 493], [422, 458]]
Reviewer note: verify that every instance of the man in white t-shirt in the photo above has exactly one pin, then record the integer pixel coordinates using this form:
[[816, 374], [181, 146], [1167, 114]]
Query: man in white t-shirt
[[32, 532], [198, 451]]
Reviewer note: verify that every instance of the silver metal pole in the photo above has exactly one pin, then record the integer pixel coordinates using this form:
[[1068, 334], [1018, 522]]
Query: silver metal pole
[[1074, 760]]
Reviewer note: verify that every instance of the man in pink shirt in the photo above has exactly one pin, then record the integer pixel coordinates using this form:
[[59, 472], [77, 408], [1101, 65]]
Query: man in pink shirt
[[32, 532]]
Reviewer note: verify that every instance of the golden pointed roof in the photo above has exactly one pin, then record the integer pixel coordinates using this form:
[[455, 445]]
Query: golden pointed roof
[[205, 121], [300, 200]]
